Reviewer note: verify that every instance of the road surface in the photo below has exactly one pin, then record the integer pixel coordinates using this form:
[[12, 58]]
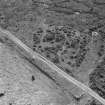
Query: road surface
[[35, 55]]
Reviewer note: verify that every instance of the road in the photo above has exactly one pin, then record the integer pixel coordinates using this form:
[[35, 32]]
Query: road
[[35, 55]]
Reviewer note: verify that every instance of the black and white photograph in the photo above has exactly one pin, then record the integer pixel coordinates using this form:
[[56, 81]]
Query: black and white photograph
[[52, 52]]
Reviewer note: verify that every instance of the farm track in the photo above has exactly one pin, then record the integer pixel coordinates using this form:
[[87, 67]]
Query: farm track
[[35, 55]]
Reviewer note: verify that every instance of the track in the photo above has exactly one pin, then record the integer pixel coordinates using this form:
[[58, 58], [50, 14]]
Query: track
[[35, 55]]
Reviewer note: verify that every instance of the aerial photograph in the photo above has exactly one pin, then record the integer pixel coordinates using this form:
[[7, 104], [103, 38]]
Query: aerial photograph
[[52, 52]]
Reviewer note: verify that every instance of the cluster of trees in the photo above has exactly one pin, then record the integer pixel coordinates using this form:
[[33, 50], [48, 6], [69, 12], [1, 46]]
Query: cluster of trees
[[63, 39]]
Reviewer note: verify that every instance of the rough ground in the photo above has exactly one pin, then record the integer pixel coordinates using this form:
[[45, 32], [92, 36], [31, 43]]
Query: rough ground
[[21, 83], [70, 33]]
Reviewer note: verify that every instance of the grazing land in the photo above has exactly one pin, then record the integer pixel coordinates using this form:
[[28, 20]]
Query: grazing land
[[69, 33]]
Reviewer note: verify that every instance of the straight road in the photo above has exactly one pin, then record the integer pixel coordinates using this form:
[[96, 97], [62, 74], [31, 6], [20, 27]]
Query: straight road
[[35, 55]]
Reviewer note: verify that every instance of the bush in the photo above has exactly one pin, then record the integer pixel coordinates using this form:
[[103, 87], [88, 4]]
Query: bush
[[97, 79]]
